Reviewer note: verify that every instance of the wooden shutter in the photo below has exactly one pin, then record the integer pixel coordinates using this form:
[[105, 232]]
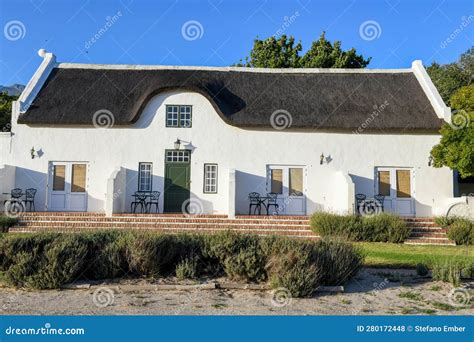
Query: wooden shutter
[[403, 184], [78, 183], [384, 183]]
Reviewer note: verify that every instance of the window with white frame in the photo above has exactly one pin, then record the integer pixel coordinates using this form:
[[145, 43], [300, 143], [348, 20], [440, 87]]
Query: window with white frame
[[179, 116], [144, 176], [210, 178]]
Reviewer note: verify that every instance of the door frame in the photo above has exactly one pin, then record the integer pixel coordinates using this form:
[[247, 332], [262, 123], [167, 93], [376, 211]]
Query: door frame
[[393, 197], [165, 174], [285, 185], [68, 175]]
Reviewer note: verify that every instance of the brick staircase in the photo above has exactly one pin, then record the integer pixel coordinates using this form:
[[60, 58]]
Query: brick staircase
[[290, 226], [426, 232]]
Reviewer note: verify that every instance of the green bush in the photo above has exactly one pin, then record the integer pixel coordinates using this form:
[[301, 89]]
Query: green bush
[[187, 269], [422, 269], [52, 260], [443, 221], [6, 222], [461, 231], [452, 270], [382, 227]]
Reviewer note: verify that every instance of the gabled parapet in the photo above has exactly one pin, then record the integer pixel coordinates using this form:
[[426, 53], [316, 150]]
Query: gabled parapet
[[443, 111]]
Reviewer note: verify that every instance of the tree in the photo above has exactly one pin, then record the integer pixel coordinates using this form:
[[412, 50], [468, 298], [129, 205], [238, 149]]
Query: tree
[[6, 111], [450, 77], [284, 53], [456, 148], [323, 54]]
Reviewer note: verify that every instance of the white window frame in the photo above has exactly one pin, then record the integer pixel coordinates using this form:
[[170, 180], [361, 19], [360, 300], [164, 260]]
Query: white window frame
[[145, 176], [211, 177], [179, 116]]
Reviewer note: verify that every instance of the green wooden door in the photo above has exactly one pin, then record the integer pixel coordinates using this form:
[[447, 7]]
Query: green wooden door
[[177, 181]]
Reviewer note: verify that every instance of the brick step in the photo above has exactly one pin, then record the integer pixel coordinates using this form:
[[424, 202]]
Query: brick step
[[429, 230], [302, 234], [428, 235], [64, 220], [152, 225], [422, 224], [429, 241], [418, 219]]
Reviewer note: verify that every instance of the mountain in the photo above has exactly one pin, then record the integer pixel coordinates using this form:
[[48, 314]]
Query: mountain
[[13, 90]]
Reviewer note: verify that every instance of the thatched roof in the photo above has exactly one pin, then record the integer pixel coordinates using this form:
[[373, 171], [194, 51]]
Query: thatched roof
[[315, 100]]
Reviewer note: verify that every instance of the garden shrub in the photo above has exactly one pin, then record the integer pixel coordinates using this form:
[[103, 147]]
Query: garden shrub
[[6, 222], [452, 270], [444, 221], [187, 269], [382, 227], [42, 260], [422, 269], [461, 231]]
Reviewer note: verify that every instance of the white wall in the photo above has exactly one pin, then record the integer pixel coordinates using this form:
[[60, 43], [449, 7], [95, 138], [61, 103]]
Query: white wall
[[247, 151]]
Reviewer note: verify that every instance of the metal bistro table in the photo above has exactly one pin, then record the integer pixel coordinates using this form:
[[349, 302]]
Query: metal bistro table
[[267, 202]]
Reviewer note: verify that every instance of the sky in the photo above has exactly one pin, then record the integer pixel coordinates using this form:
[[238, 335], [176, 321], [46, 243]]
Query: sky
[[221, 32]]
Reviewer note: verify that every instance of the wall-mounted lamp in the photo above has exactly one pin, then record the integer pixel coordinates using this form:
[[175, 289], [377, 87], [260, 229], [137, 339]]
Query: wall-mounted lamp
[[33, 153], [430, 160], [321, 159], [177, 144]]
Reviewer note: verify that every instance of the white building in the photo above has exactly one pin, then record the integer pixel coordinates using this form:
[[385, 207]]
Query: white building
[[87, 137]]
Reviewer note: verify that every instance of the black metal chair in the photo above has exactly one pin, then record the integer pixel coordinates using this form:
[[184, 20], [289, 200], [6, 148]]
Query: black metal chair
[[154, 200], [254, 198], [140, 200], [379, 201], [272, 202], [30, 198], [360, 202]]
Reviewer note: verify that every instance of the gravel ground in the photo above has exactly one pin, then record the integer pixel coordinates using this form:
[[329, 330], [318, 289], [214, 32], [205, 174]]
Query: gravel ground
[[371, 292]]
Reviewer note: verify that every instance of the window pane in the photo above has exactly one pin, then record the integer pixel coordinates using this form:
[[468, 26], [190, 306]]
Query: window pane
[[296, 182], [384, 183], [145, 174], [403, 184], [277, 181], [172, 116], [210, 178], [185, 116], [59, 173], [78, 183]]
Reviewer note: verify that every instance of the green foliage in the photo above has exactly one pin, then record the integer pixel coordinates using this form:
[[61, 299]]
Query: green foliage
[[187, 269], [282, 52], [462, 232], [377, 228], [6, 111], [52, 260], [7, 222], [443, 221], [422, 269], [452, 270]]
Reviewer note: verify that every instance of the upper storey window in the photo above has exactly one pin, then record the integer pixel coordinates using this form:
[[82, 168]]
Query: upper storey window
[[179, 116]]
